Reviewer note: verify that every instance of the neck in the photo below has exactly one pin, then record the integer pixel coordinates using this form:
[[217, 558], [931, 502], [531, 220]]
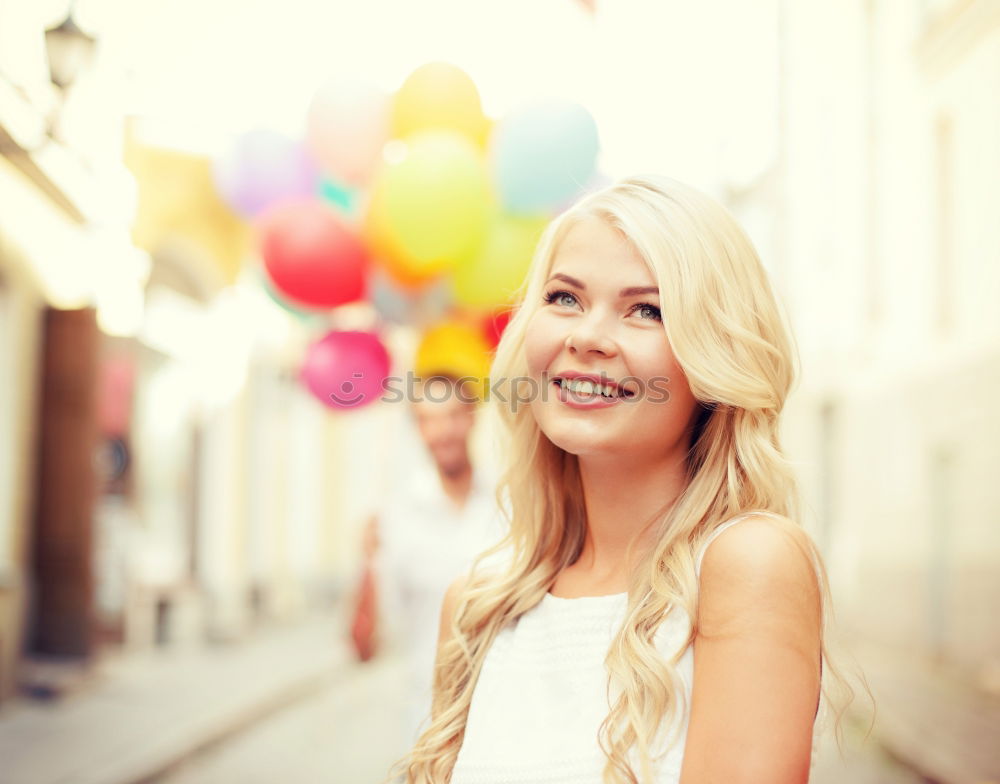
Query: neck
[[622, 498], [457, 483]]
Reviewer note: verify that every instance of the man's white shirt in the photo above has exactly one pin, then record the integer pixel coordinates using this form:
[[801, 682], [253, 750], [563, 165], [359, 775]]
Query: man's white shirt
[[426, 541]]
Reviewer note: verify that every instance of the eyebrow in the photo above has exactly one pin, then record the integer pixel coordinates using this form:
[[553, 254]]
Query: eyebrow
[[631, 291]]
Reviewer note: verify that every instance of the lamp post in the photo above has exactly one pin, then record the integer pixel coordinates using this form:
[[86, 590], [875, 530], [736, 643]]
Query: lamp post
[[69, 49]]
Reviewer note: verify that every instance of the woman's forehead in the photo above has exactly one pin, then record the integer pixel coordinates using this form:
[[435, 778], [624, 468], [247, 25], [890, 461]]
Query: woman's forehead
[[594, 233], [601, 265]]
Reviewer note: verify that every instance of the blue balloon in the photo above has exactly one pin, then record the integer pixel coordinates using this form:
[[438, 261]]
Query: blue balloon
[[543, 155]]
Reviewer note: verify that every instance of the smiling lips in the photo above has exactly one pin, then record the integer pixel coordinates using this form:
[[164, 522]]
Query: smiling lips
[[587, 390]]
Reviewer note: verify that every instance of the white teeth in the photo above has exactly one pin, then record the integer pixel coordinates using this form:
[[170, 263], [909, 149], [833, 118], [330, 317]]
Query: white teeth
[[588, 387]]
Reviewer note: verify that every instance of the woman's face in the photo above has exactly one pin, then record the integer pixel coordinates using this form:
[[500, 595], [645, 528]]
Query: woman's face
[[600, 317]]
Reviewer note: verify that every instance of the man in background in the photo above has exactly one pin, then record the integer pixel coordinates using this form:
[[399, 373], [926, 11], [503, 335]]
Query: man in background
[[423, 537]]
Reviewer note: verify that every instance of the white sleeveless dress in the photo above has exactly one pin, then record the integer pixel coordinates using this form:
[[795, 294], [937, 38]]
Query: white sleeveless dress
[[542, 694]]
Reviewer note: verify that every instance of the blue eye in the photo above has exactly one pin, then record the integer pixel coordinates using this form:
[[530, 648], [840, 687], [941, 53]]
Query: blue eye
[[649, 308], [554, 296]]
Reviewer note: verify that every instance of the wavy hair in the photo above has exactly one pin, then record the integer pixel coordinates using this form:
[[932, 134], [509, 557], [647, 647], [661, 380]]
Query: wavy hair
[[732, 342]]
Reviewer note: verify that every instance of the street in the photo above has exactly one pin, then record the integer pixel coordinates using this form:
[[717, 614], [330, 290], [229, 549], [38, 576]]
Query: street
[[345, 734], [863, 762]]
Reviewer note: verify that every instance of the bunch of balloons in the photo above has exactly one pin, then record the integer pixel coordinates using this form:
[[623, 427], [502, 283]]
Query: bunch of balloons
[[416, 202]]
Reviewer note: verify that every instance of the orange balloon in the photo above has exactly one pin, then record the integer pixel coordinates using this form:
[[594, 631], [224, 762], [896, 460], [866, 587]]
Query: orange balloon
[[387, 252]]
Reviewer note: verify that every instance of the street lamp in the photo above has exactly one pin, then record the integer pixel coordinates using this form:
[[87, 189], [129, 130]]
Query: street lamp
[[69, 48]]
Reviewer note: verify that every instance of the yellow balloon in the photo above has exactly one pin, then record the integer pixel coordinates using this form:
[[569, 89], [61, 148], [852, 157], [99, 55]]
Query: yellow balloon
[[429, 211], [439, 95], [494, 275], [455, 348]]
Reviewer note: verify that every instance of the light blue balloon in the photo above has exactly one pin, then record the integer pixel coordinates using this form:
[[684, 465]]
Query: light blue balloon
[[404, 306], [544, 154], [391, 303]]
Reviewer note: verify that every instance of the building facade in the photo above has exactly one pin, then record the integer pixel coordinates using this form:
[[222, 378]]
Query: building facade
[[877, 216]]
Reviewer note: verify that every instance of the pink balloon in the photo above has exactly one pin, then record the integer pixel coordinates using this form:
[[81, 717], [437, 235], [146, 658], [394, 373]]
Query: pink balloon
[[312, 256], [346, 370], [347, 127]]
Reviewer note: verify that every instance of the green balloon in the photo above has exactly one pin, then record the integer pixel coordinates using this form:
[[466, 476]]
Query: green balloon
[[495, 273]]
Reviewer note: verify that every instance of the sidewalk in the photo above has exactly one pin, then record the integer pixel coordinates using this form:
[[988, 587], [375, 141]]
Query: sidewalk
[[144, 714], [937, 726]]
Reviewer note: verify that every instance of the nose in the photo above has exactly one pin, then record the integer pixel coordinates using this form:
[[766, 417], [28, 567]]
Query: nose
[[445, 426], [590, 333]]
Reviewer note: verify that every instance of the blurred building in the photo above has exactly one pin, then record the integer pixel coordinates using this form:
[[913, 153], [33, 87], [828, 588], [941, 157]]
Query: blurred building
[[876, 209], [164, 477], [49, 200]]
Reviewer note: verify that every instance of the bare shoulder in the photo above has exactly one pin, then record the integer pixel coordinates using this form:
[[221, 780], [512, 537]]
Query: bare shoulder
[[757, 571], [757, 656], [760, 546]]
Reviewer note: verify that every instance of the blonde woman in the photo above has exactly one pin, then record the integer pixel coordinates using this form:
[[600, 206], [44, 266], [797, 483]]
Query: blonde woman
[[640, 384]]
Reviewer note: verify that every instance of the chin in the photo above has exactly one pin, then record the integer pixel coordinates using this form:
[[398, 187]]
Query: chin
[[452, 459], [571, 439]]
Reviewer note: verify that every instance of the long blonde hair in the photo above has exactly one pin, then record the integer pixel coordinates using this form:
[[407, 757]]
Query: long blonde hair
[[728, 335]]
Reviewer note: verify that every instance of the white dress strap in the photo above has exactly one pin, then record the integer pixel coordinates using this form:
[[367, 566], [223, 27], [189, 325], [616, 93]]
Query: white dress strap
[[719, 529]]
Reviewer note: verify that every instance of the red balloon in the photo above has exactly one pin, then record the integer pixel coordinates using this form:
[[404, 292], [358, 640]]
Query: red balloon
[[311, 256]]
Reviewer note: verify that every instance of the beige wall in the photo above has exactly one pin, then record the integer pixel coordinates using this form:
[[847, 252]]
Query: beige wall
[[880, 214], [19, 339]]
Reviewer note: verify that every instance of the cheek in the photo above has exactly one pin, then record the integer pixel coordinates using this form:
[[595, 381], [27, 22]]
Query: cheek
[[541, 343], [464, 428], [652, 358], [658, 362], [680, 402], [671, 370]]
